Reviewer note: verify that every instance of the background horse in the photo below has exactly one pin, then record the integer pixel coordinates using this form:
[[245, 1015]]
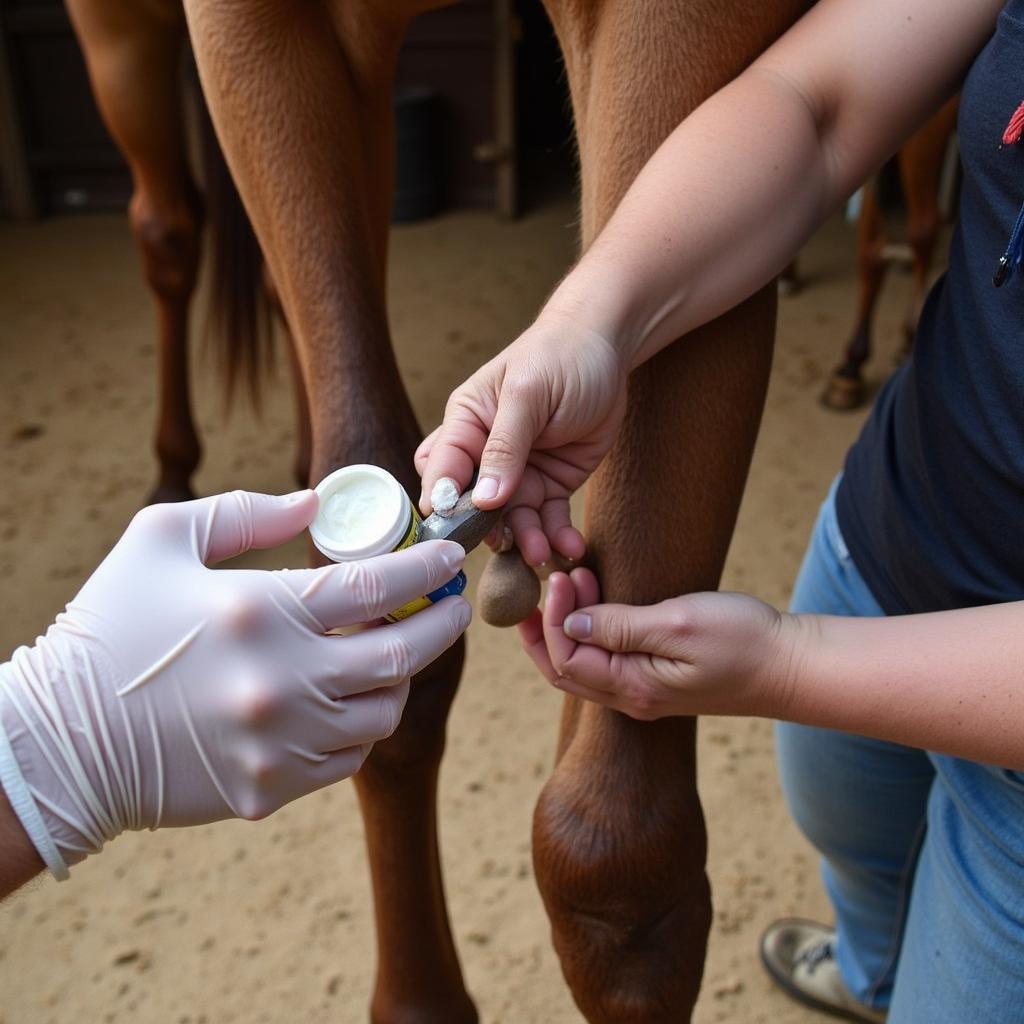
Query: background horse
[[301, 99], [920, 161], [134, 52]]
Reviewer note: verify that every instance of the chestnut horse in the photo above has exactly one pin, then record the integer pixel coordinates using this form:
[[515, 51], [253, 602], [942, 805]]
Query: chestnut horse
[[920, 162], [300, 95]]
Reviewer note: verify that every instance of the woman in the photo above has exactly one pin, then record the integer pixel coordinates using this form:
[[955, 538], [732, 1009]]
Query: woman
[[923, 849]]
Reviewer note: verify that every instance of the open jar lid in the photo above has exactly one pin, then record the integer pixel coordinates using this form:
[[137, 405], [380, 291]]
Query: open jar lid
[[364, 511]]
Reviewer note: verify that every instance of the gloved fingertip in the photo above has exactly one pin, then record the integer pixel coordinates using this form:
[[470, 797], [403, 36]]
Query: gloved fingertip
[[297, 497], [454, 555], [462, 614]]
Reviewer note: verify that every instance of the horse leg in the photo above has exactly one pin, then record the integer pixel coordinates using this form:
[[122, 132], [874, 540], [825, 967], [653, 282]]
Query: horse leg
[[132, 52], [300, 96], [619, 838], [303, 428], [920, 162], [845, 389]]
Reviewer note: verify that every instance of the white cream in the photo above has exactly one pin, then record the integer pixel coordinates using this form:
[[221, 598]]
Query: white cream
[[352, 514], [444, 495], [363, 512]]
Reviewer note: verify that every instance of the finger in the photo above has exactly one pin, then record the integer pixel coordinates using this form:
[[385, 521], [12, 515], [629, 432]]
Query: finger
[[588, 590], [657, 629], [570, 685], [528, 534], [556, 521], [390, 654], [504, 456], [453, 452], [560, 602], [367, 718], [332, 766], [419, 460], [348, 593], [531, 636], [590, 666], [225, 525]]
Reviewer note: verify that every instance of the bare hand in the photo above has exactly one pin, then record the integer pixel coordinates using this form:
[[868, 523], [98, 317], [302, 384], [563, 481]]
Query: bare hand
[[537, 419], [711, 653]]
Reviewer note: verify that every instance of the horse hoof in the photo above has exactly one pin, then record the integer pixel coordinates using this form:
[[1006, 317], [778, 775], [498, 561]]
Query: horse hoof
[[843, 393], [169, 492]]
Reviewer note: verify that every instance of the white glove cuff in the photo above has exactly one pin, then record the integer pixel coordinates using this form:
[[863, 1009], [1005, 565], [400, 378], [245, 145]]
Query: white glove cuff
[[24, 806]]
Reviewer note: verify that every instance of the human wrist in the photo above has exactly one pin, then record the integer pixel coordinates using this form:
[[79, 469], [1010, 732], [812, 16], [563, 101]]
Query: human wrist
[[594, 298], [794, 642], [48, 708]]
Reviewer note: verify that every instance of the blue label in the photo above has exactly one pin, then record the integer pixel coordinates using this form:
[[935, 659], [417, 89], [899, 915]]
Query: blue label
[[452, 588]]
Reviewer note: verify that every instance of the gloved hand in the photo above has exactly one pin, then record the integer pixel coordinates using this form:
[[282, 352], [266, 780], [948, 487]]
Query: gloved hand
[[172, 694]]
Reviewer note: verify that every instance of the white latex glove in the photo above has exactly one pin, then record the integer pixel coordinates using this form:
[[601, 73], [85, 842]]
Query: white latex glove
[[171, 694]]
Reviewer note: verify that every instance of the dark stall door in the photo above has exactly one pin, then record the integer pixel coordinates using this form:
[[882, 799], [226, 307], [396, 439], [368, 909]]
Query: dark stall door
[[56, 156]]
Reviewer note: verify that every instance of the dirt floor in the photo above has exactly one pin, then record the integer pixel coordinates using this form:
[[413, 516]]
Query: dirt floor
[[272, 921]]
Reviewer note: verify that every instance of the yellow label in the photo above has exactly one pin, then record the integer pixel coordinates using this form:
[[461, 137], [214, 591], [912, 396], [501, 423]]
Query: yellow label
[[419, 603]]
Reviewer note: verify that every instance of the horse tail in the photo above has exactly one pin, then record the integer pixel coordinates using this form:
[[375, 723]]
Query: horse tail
[[239, 320]]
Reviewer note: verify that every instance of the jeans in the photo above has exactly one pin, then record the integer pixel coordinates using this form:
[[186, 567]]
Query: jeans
[[922, 854]]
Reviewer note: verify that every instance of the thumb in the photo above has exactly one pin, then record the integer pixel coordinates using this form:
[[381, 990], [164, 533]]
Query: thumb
[[225, 525], [508, 447], [651, 629]]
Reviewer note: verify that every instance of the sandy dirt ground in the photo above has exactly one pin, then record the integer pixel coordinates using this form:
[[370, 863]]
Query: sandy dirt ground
[[271, 922]]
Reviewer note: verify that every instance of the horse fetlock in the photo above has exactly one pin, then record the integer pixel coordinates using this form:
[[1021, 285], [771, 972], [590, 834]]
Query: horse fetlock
[[629, 904], [168, 239], [635, 965]]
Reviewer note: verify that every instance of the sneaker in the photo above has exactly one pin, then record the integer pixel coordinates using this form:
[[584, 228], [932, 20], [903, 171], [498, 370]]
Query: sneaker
[[799, 955]]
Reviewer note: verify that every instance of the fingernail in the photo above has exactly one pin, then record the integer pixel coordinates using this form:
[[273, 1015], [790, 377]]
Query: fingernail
[[454, 554], [579, 626], [296, 496], [486, 489]]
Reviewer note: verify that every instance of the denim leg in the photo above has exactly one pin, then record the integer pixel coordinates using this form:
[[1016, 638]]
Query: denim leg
[[962, 951], [861, 802]]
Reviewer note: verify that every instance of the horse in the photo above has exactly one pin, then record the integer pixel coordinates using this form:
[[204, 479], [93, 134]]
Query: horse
[[135, 56], [920, 161], [300, 96]]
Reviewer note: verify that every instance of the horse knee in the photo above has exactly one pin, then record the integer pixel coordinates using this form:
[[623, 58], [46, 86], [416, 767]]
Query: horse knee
[[629, 905], [168, 240]]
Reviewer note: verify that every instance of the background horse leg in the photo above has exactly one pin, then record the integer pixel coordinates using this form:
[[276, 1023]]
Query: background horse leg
[[846, 387], [133, 52], [619, 840], [300, 96]]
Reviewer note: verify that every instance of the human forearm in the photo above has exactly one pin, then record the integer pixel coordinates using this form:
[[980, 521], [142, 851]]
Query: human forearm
[[729, 197], [949, 681], [719, 209], [18, 858]]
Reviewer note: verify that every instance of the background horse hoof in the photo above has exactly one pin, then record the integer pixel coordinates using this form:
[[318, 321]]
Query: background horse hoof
[[843, 394], [789, 286]]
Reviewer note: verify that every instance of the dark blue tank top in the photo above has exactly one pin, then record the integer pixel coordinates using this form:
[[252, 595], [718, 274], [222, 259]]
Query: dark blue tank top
[[931, 503]]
